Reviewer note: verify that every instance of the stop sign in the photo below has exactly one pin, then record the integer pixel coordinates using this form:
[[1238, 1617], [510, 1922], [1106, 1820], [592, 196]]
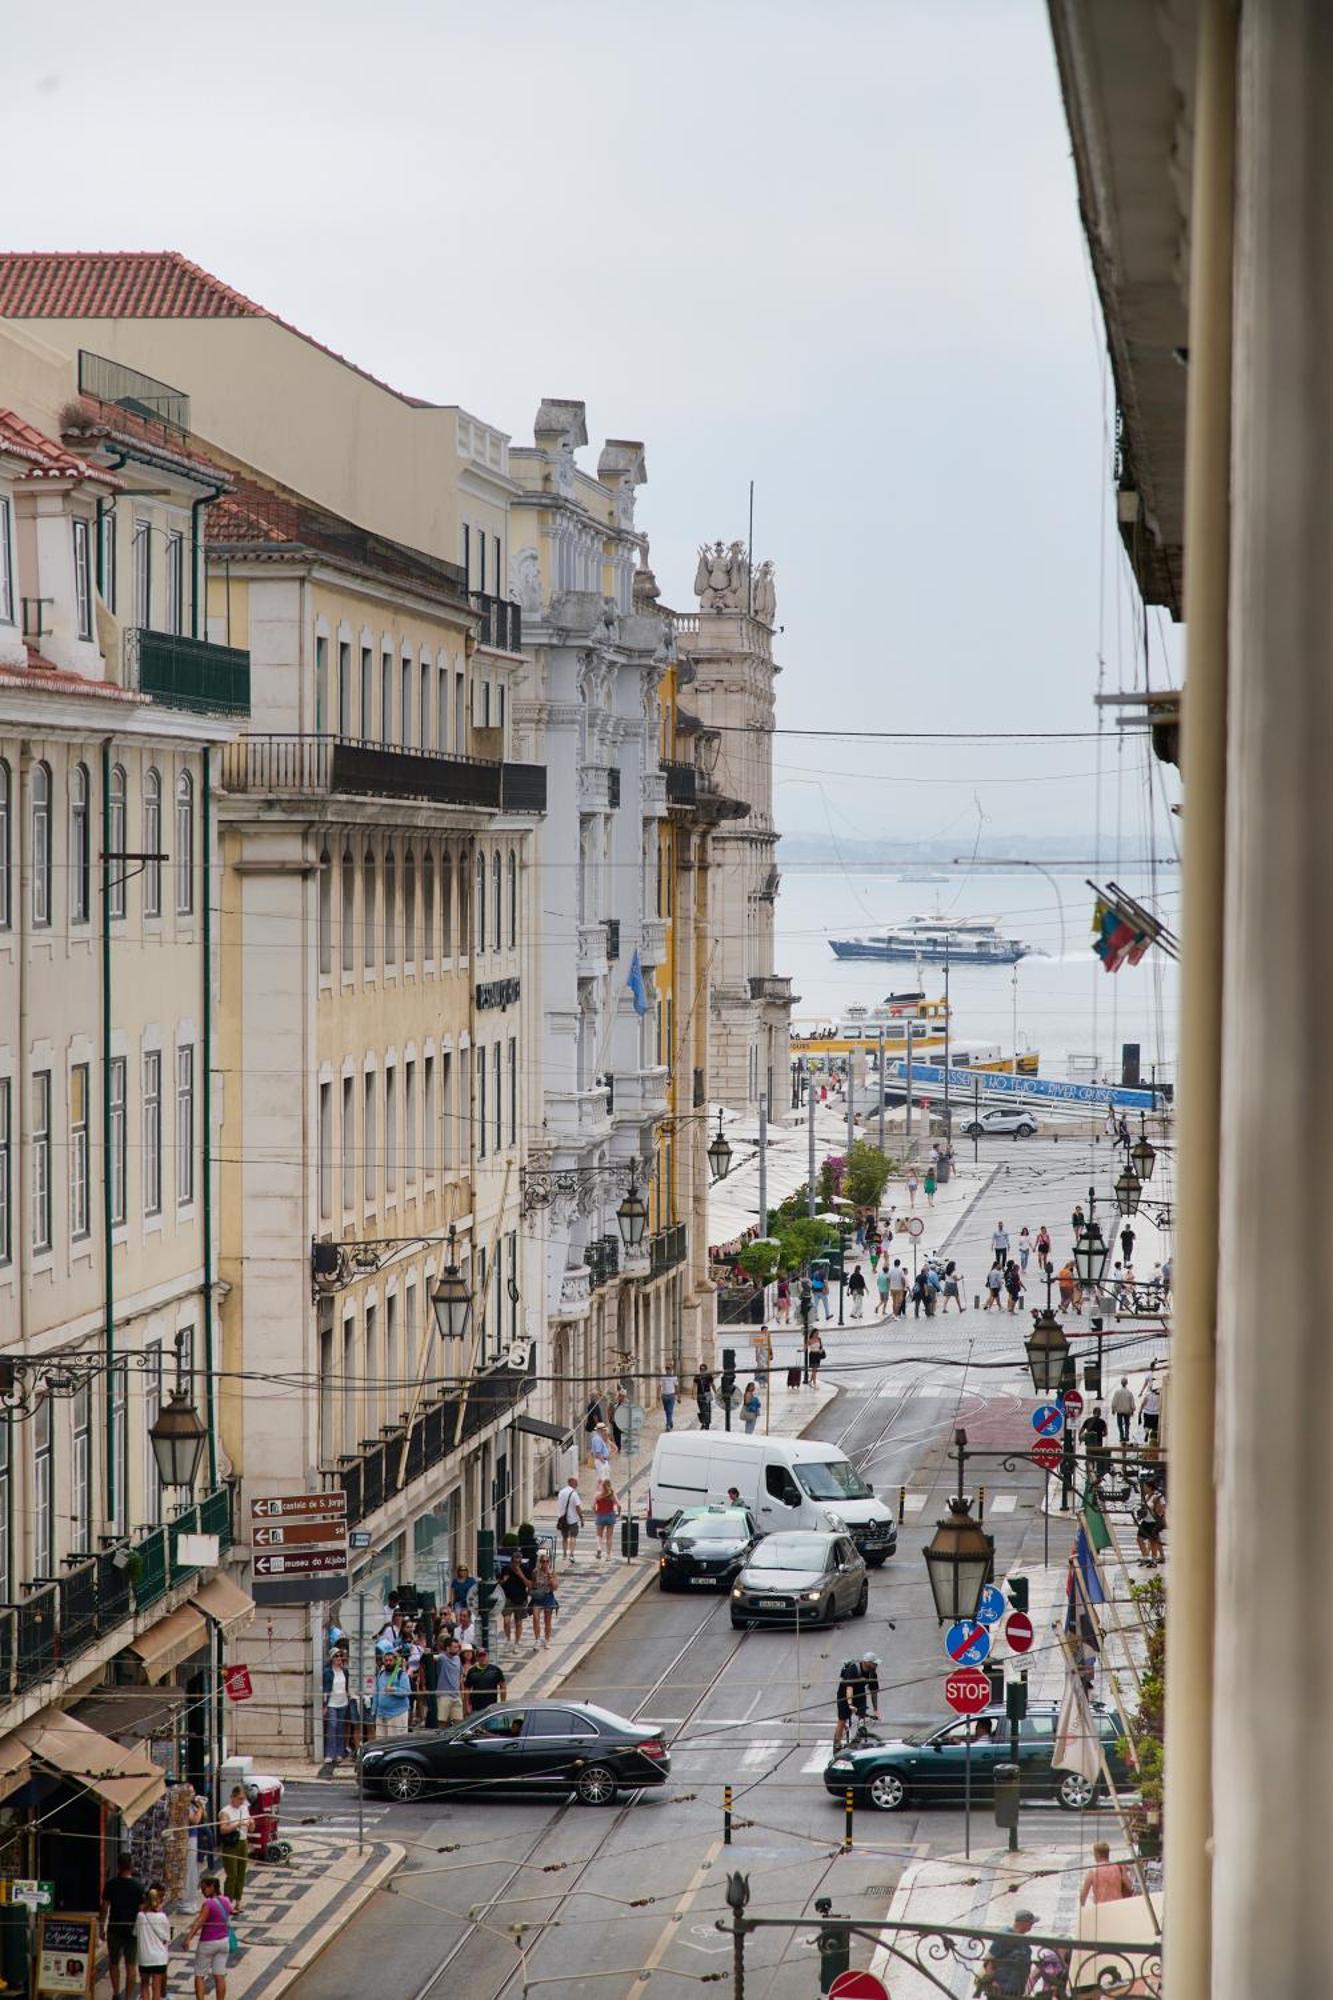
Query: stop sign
[[858, 1986], [1046, 1453], [1073, 1402], [967, 1691], [1018, 1631]]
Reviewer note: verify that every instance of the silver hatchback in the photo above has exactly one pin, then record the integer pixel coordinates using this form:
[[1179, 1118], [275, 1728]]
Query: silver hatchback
[[801, 1578]]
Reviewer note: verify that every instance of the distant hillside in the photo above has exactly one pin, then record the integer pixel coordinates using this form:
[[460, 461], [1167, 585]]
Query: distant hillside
[[1052, 851]]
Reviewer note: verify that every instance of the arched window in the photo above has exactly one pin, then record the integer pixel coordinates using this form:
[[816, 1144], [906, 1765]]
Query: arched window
[[6, 842], [428, 905], [368, 912], [152, 842], [184, 845], [348, 911], [497, 900], [481, 902], [41, 844], [80, 851], [409, 907], [390, 907], [325, 911], [115, 871], [513, 899]]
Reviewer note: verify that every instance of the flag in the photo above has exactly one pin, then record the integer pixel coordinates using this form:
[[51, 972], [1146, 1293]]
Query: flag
[[636, 985], [1076, 1744], [1088, 1570], [1095, 1521]]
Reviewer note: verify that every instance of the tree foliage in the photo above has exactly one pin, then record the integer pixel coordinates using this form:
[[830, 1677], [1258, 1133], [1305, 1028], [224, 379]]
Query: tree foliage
[[865, 1174]]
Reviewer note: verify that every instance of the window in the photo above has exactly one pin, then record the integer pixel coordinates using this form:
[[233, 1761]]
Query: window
[[6, 1174], [142, 557], [485, 705], [460, 712], [511, 1289], [6, 563], [446, 902], [152, 1132], [184, 845], [428, 1117], [351, 1373], [464, 917], [442, 709], [386, 697], [410, 1123], [481, 1104], [344, 688], [43, 1512], [368, 916], [321, 685], [6, 846], [41, 845], [405, 703], [390, 1131], [497, 900], [367, 694], [390, 907], [83, 579], [349, 911], [498, 1096], [325, 912], [110, 548], [467, 556], [428, 905], [184, 1126], [349, 1142], [481, 903], [78, 1150], [81, 1470], [117, 1080], [328, 1443], [325, 1162], [118, 1389], [80, 852], [175, 581], [41, 1160], [6, 1510], [116, 876], [513, 1091], [370, 1159], [448, 1149], [152, 841], [152, 1409], [425, 705], [513, 899], [409, 907]]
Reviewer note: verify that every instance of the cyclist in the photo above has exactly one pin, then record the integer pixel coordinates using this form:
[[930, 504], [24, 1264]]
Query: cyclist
[[858, 1686]]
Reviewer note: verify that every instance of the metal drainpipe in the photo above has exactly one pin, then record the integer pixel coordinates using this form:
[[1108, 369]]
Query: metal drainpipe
[[108, 1253], [1189, 1666], [195, 545], [206, 1082]]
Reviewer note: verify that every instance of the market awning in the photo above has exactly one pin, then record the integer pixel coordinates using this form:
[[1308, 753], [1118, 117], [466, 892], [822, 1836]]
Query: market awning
[[14, 1765], [226, 1604], [125, 1779], [537, 1427], [173, 1639], [124, 1711]]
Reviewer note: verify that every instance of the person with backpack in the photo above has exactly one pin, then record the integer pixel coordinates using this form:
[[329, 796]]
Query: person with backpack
[[751, 1408], [213, 1938], [569, 1516]]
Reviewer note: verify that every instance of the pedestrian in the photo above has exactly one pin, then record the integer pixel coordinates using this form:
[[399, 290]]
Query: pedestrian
[[703, 1395], [882, 1287], [1122, 1408], [1078, 1220], [1024, 1247], [605, 1509], [912, 1185], [337, 1699], [751, 1408], [449, 1683], [594, 1414], [952, 1287], [569, 1517], [462, 1587], [930, 1184], [819, 1289], [784, 1300], [122, 1900], [1150, 1408], [619, 1419], [873, 1247], [484, 1684], [994, 1286], [393, 1699], [856, 1291], [1044, 1248], [1067, 1281], [1011, 1956], [545, 1604], [234, 1823], [1127, 1240], [1149, 1523], [211, 1934], [600, 1444], [1092, 1436], [514, 1586], [1013, 1284], [898, 1288], [1106, 1881], [999, 1244], [668, 1389], [152, 1939], [814, 1357]]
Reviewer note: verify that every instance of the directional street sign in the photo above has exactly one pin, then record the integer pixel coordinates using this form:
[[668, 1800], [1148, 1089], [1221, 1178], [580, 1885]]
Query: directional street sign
[[302, 1534], [967, 1642], [1018, 1632], [328, 1506], [993, 1604], [1047, 1454], [302, 1562], [967, 1691], [1073, 1402], [1048, 1419]]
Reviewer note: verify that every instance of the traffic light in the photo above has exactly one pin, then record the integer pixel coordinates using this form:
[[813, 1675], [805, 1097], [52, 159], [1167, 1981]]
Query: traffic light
[[1006, 1795], [835, 1947], [995, 1675], [1016, 1701], [727, 1385], [1018, 1592]]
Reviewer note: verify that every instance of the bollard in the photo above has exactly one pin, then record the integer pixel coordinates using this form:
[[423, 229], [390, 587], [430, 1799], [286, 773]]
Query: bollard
[[902, 1504], [726, 1815], [976, 1301], [847, 1822]]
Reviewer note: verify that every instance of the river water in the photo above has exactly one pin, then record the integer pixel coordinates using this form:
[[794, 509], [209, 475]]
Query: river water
[[1064, 1003]]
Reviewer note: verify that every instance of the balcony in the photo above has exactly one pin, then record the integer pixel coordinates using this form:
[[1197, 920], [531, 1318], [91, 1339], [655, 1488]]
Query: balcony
[[577, 1117], [592, 951], [384, 1466], [654, 794], [575, 1293], [641, 1094], [188, 673], [339, 765], [682, 784], [595, 787], [602, 1258], [523, 788], [774, 987], [501, 623], [667, 1249], [654, 947]]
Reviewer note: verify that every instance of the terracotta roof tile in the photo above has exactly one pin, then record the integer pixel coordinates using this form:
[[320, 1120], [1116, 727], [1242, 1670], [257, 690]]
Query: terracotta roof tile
[[46, 459], [96, 422], [43, 674]]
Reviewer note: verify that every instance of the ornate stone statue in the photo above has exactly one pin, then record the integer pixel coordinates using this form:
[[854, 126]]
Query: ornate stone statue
[[722, 578], [645, 590], [739, 589], [764, 595], [525, 580]]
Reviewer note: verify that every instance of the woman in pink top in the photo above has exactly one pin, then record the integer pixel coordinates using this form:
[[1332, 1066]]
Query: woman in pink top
[[210, 1933]]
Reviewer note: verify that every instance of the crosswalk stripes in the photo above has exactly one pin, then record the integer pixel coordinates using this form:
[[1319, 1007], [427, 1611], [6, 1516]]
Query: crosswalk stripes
[[914, 1503], [1003, 1503], [817, 1759], [760, 1752]]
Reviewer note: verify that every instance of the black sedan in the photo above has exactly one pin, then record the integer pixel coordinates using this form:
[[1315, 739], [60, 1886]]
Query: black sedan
[[929, 1767], [706, 1546], [801, 1578], [523, 1746]]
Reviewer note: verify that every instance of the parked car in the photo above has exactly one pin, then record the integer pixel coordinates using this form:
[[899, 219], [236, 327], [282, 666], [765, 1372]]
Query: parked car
[[706, 1545], [566, 1746], [928, 1767], [1002, 1119], [801, 1578]]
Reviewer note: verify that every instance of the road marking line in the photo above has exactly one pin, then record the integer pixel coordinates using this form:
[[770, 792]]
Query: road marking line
[[659, 1951], [817, 1758], [1003, 1503], [760, 1751], [914, 1503]]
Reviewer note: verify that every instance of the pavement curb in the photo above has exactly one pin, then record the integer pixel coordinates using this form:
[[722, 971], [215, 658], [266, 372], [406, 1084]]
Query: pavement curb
[[345, 1906]]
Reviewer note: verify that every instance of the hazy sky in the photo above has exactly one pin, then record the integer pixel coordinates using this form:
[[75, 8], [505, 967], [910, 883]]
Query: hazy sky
[[832, 248]]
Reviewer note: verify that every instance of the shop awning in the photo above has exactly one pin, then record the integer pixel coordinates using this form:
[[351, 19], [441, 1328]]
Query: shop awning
[[130, 1711], [538, 1427], [125, 1779], [226, 1604], [14, 1765], [173, 1639]]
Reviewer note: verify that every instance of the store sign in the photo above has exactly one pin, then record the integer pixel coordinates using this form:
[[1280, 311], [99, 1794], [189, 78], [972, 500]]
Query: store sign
[[32, 1895], [66, 1955], [496, 993], [237, 1682]]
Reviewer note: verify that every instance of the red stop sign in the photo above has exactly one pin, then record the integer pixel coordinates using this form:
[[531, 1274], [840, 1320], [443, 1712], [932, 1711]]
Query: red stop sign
[[1018, 1631], [858, 1986], [1046, 1453], [1073, 1402], [967, 1691]]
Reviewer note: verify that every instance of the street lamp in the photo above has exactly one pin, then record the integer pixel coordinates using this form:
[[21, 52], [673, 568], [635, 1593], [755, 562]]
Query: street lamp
[[719, 1152], [452, 1298], [1143, 1153], [1128, 1190], [1047, 1352], [960, 1557], [178, 1436], [632, 1214], [1091, 1252]]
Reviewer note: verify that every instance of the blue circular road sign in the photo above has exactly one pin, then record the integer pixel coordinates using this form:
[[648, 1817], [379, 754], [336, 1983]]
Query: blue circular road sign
[[967, 1642], [1048, 1420], [992, 1606]]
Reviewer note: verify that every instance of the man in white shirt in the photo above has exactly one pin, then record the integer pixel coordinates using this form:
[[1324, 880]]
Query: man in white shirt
[[898, 1289], [999, 1244], [569, 1516]]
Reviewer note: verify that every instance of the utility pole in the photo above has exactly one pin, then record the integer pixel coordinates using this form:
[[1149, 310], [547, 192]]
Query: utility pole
[[763, 1163], [880, 1076], [948, 1108], [810, 1136], [907, 1128], [851, 1111]]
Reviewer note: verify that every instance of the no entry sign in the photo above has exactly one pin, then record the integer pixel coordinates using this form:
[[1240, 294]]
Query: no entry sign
[[1018, 1632], [967, 1691], [1046, 1453], [1073, 1402], [858, 1986]]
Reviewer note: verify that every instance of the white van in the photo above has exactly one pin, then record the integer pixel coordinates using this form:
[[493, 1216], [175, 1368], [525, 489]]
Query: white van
[[785, 1482]]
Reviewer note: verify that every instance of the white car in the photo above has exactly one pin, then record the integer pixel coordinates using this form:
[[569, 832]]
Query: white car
[[1021, 1124]]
